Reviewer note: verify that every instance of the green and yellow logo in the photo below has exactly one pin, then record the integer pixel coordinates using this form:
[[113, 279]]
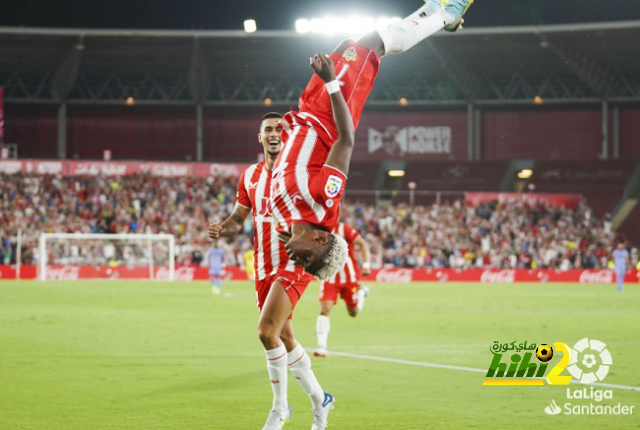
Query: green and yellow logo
[[514, 364]]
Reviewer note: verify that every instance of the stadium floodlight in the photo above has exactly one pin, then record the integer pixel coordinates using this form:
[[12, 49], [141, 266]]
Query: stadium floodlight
[[525, 173], [303, 26], [141, 256], [351, 25], [250, 26], [396, 173]]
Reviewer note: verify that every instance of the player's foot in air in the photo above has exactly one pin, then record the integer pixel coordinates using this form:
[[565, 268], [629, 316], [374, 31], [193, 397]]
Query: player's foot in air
[[321, 414], [457, 9], [277, 419], [320, 352]]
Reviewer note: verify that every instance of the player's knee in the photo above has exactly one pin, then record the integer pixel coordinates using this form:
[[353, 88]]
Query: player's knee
[[268, 335], [353, 312]]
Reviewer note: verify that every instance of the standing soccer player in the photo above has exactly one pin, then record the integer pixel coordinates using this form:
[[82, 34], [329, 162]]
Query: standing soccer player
[[215, 260], [271, 260], [310, 174], [346, 283], [621, 262]]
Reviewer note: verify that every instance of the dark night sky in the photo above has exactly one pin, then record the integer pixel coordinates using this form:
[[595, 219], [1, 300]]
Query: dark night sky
[[281, 14]]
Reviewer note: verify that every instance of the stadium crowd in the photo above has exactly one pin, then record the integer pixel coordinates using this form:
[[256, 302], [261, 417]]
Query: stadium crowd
[[451, 234]]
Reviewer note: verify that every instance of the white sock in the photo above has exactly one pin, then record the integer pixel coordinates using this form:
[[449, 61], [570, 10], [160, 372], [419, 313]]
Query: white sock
[[300, 366], [323, 325], [407, 33], [360, 299], [277, 368]]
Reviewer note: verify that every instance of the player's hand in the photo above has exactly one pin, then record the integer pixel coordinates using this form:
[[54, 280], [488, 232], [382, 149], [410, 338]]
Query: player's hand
[[214, 230], [323, 65]]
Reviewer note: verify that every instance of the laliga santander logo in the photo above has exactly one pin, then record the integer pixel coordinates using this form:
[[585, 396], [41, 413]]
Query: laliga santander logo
[[501, 277], [180, 274], [599, 277], [63, 273], [590, 361], [401, 275]]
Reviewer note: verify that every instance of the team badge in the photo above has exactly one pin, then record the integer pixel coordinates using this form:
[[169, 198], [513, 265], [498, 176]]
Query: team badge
[[350, 54], [329, 203], [332, 189]]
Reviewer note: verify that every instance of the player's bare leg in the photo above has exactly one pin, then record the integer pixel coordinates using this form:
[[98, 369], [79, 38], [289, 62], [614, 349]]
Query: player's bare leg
[[287, 336], [352, 311]]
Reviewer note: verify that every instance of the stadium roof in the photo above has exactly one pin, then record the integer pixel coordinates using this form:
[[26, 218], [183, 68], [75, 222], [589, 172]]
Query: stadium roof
[[577, 63]]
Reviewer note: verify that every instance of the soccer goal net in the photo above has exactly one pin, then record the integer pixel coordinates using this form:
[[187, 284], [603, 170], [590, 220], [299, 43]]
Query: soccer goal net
[[75, 256]]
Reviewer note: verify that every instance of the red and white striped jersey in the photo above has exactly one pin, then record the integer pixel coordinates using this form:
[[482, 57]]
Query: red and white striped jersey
[[304, 189], [350, 272], [253, 193]]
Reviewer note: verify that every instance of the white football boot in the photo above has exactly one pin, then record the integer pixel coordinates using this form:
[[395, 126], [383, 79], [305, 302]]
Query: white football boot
[[277, 419], [321, 414]]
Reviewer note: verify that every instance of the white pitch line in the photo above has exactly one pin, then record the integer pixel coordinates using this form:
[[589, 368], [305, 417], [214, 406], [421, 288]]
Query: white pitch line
[[464, 369]]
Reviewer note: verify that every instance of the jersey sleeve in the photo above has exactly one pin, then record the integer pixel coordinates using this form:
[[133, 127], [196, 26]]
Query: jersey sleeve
[[242, 196], [327, 187], [350, 233]]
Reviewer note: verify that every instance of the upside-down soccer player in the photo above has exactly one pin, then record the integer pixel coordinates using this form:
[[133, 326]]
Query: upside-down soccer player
[[310, 175], [345, 283]]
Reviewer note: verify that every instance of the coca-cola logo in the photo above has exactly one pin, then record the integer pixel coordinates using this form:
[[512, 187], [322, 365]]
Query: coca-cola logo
[[599, 277], [395, 275], [63, 273], [180, 274], [501, 277]]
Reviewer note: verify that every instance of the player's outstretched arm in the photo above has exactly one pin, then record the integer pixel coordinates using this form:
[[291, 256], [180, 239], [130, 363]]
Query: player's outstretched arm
[[366, 254], [340, 154], [231, 226]]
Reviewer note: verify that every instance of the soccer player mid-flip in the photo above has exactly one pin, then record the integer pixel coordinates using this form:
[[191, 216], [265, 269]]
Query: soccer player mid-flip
[[310, 174]]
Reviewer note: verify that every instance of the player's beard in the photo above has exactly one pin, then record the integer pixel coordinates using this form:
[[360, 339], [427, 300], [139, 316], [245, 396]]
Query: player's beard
[[274, 153]]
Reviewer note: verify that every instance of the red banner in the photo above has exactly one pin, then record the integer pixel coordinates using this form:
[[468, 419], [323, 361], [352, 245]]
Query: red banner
[[563, 200], [120, 168], [189, 273]]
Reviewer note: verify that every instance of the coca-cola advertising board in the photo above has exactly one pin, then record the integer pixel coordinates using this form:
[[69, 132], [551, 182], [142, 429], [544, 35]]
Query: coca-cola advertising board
[[390, 275]]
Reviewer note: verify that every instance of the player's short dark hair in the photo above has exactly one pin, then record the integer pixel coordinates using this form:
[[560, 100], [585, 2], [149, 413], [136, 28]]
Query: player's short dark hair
[[269, 115]]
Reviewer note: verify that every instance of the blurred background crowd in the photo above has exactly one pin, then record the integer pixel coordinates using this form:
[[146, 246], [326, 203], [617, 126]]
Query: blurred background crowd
[[448, 234]]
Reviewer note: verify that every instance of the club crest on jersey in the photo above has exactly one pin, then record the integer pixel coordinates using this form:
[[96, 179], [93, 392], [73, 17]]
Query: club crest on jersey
[[350, 54], [332, 189]]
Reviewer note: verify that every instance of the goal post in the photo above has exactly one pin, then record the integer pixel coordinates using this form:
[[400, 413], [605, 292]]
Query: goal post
[[134, 256]]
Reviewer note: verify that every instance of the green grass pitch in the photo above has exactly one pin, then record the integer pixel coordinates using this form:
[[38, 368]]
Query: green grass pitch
[[144, 355]]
